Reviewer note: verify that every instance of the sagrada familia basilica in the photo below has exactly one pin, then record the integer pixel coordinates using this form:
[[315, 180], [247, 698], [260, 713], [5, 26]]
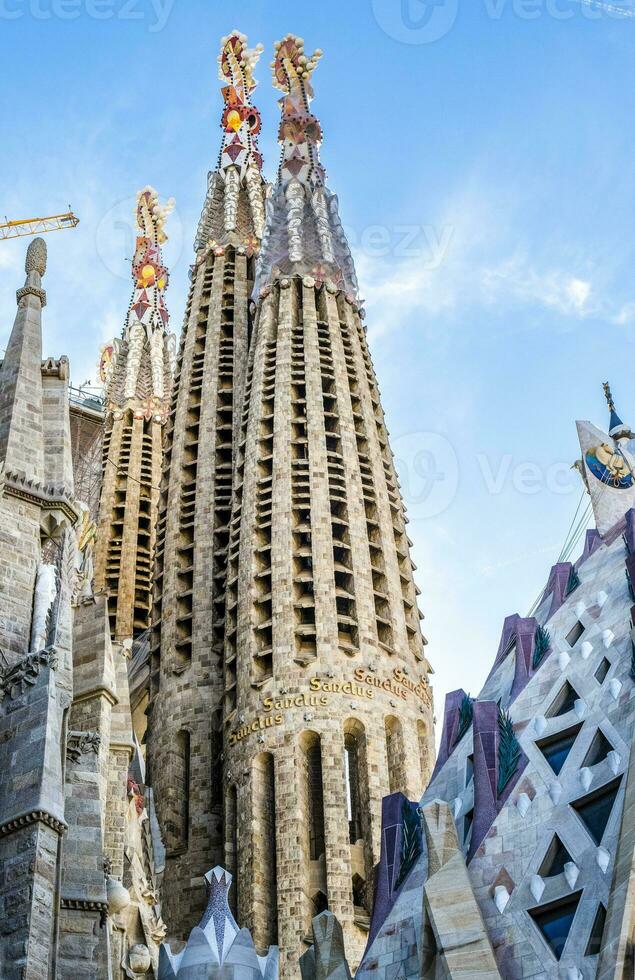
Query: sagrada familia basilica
[[215, 707]]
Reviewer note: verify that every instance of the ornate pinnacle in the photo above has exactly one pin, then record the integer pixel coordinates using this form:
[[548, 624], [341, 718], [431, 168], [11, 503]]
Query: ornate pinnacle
[[36, 257], [148, 317], [300, 132], [239, 168], [609, 396], [304, 236], [241, 120]]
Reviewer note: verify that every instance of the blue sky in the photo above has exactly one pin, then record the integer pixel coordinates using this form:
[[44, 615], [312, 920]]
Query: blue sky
[[483, 154]]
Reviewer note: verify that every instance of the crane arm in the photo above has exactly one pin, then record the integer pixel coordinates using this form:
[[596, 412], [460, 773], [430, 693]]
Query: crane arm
[[38, 226]]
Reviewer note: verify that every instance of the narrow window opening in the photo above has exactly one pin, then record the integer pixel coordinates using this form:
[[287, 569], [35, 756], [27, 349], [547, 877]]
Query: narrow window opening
[[468, 821], [602, 671], [351, 769], [316, 802], [594, 944], [574, 635]]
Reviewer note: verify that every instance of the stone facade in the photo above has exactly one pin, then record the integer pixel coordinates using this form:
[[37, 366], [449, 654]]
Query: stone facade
[[533, 783], [77, 888]]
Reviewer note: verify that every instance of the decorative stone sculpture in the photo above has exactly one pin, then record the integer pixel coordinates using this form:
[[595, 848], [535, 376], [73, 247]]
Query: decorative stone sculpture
[[118, 896], [36, 257], [326, 959], [139, 961], [217, 949]]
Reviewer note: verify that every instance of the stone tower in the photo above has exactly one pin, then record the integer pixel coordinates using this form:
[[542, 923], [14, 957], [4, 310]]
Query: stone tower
[[185, 745], [327, 706], [37, 517], [136, 372]]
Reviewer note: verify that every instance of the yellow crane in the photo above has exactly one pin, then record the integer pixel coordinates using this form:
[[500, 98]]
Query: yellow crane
[[38, 226]]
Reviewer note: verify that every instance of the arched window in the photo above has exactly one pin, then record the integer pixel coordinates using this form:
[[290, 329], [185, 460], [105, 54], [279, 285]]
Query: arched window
[[311, 830], [316, 800], [231, 843], [396, 755], [265, 924], [425, 752], [178, 825], [353, 800], [358, 813]]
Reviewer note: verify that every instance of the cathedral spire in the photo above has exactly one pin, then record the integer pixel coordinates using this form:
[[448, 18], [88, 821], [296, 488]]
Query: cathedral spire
[[303, 234], [21, 436], [136, 370], [137, 367], [227, 217]]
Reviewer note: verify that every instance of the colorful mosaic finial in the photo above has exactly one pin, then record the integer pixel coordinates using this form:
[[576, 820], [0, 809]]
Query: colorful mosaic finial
[[300, 132], [150, 275], [240, 161], [303, 235], [240, 121], [148, 317]]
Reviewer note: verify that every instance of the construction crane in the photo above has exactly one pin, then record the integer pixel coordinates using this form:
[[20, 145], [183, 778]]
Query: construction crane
[[38, 226]]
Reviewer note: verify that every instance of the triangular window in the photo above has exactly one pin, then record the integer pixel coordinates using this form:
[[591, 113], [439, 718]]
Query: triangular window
[[565, 702], [602, 671], [574, 635], [555, 859], [595, 809], [554, 922], [556, 748], [594, 944], [598, 750]]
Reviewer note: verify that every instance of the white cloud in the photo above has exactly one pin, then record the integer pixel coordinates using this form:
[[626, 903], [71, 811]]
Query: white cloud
[[517, 281], [466, 276]]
